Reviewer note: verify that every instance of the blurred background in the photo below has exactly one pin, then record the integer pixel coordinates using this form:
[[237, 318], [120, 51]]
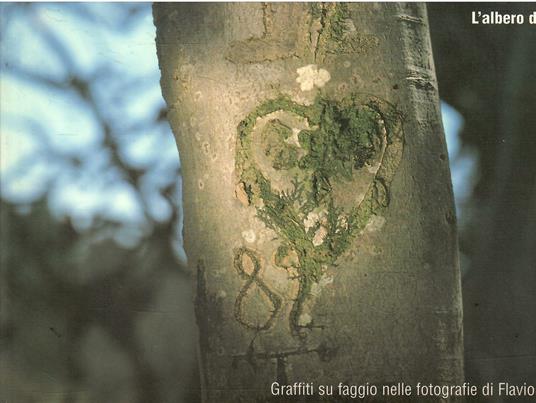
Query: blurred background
[[96, 303], [95, 297]]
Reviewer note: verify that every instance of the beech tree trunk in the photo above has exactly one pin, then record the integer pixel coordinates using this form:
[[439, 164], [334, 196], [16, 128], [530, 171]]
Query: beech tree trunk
[[318, 207]]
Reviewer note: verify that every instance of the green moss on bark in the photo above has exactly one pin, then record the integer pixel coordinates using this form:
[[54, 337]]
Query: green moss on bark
[[342, 137]]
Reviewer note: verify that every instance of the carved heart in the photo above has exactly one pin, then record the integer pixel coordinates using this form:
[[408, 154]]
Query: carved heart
[[316, 175]]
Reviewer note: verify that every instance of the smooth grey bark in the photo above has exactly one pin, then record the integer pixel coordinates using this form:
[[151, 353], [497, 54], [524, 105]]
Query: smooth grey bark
[[388, 308]]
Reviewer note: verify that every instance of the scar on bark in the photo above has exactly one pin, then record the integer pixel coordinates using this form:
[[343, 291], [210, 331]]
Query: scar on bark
[[326, 352], [277, 42], [259, 50]]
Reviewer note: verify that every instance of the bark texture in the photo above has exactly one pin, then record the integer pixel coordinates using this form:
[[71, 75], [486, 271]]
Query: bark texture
[[321, 255]]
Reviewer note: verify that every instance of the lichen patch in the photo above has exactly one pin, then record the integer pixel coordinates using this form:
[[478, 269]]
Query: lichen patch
[[310, 221], [314, 217], [310, 76], [249, 236]]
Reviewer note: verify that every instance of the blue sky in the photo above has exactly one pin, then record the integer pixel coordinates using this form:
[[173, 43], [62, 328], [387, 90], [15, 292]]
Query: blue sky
[[44, 126]]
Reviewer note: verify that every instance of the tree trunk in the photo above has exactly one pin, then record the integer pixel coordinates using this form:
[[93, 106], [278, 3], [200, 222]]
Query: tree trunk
[[318, 207]]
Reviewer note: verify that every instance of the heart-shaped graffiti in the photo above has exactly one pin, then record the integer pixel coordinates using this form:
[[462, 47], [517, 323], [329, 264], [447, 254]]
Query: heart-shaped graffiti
[[316, 175]]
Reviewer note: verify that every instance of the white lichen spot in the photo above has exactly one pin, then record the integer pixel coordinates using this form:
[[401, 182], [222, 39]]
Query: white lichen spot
[[375, 223], [221, 294], [319, 236], [249, 236], [304, 319], [314, 217], [311, 76]]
